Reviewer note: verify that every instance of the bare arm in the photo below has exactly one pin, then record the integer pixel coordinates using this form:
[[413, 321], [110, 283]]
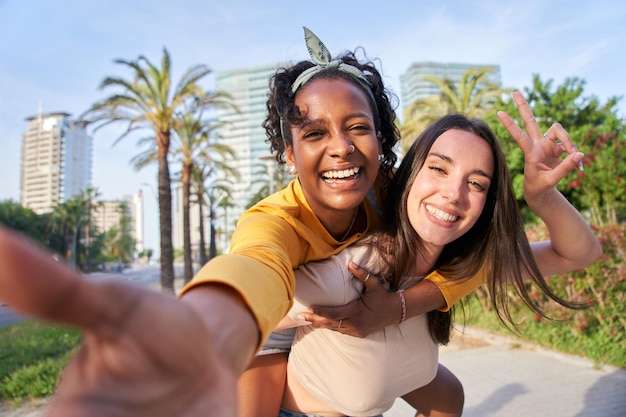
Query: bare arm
[[572, 244], [144, 353]]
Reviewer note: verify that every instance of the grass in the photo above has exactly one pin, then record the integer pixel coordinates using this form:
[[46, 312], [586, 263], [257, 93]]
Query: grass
[[592, 344], [32, 355]]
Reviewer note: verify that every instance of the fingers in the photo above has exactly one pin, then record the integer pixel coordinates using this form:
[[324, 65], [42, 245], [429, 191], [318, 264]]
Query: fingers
[[516, 132], [342, 319], [32, 282], [328, 317], [571, 162], [556, 134], [359, 273], [364, 276], [532, 128]]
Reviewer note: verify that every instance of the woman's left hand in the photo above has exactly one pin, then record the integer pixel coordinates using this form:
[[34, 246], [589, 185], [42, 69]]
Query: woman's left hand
[[543, 167], [363, 316]]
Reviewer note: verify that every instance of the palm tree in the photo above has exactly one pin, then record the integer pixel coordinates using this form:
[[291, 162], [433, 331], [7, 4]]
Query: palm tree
[[68, 218], [198, 177], [207, 191], [90, 195], [148, 101], [474, 95], [219, 194], [194, 148], [280, 179]]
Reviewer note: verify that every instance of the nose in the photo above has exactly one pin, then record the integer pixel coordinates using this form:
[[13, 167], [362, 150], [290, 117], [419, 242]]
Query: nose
[[341, 145], [455, 190]]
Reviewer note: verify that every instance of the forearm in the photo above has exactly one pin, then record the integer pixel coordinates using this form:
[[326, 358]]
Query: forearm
[[572, 244], [233, 333], [421, 298]]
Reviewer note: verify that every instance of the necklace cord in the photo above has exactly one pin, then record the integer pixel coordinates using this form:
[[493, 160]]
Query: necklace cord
[[356, 214]]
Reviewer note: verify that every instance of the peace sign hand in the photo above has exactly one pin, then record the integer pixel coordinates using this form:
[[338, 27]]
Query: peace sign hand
[[543, 168]]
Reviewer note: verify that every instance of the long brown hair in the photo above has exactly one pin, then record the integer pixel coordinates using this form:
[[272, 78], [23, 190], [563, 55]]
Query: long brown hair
[[497, 241]]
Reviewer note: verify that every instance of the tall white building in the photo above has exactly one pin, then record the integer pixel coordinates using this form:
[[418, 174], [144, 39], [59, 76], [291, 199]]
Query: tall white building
[[56, 161], [244, 133], [414, 87], [110, 213]]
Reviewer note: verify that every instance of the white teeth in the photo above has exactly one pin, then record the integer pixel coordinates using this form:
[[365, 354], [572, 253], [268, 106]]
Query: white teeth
[[341, 174], [441, 215]]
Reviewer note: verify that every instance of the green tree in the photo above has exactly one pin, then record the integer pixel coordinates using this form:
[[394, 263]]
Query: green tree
[[90, 195], [126, 242], [221, 197], [118, 242], [148, 101], [22, 219], [68, 218], [207, 191], [198, 178], [218, 192], [474, 96], [194, 147], [596, 129]]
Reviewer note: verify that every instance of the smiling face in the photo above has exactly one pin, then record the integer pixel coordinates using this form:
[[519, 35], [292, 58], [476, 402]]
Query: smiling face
[[335, 151], [449, 192]]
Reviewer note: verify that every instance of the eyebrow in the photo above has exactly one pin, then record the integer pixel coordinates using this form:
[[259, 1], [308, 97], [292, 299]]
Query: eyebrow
[[322, 122], [451, 161]]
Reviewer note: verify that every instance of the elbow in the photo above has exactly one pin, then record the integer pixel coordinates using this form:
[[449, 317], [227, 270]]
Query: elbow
[[597, 252], [593, 254]]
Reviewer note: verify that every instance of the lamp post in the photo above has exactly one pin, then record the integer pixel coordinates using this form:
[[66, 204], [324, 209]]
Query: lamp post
[[151, 189]]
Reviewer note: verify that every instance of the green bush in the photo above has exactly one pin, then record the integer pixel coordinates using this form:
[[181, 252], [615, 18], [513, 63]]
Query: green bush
[[598, 332]]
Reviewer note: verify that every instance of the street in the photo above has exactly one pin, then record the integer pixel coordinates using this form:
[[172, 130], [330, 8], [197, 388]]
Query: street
[[147, 276]]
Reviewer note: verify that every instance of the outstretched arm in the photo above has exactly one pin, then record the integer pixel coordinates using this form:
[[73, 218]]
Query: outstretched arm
[[572, 244], [144, 353]]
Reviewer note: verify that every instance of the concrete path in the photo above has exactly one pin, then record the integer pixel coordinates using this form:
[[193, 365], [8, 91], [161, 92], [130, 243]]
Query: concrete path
[[504, 377]]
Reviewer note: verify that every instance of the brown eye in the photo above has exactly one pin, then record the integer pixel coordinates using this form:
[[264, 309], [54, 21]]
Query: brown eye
[[477, 186]]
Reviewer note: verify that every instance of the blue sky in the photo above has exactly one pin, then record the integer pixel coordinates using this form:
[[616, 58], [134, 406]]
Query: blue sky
[[57, 51]]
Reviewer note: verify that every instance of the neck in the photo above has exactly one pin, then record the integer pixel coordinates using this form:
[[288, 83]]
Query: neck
[[348, 232], [426, 260]]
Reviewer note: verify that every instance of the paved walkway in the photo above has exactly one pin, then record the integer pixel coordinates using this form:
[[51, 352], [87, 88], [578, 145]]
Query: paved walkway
[[505, 378]]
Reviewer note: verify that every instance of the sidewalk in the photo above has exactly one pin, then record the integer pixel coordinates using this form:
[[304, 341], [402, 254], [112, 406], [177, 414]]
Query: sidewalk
[[504, 377]]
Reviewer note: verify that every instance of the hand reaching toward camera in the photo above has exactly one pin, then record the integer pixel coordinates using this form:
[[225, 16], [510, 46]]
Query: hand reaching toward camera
[[143, 354]]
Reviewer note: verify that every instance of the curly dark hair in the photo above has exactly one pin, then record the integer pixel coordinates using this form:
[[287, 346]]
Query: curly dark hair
[[281, 105]]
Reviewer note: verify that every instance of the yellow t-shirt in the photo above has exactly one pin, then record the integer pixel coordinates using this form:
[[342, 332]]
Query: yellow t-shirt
[[273, 238]]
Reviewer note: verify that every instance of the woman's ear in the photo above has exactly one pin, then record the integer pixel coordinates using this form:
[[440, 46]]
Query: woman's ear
[[289, 157]]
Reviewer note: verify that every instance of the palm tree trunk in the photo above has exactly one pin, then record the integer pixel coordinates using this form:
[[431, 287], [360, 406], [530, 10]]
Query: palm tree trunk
[[202, 248], [165, 217], [212, 244], [186, 224]]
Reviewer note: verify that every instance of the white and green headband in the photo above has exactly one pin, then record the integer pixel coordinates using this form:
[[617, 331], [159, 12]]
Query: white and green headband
[[323, 61]]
